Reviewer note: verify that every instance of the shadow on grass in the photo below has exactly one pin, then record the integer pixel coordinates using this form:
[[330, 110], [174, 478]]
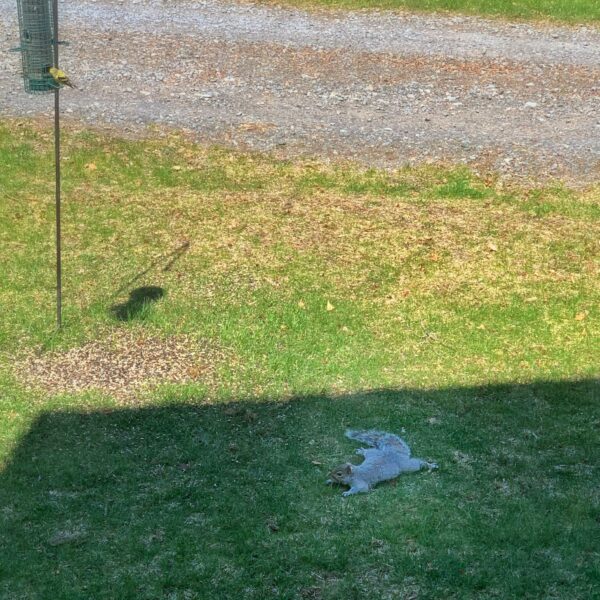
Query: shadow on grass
[[165, 262], [228, 501], [138, 304]]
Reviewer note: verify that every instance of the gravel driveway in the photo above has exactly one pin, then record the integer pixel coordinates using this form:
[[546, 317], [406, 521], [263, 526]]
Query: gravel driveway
[[382, 88]]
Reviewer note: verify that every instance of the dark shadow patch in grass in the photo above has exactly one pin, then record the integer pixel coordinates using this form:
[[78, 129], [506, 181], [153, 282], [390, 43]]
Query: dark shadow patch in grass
[[139, 303], [229, 501]]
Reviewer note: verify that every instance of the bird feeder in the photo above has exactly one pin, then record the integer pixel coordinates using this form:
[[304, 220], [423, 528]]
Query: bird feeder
[[38, 36]]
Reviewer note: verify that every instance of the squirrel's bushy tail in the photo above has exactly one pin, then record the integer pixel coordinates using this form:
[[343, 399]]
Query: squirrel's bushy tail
[[378, 439]]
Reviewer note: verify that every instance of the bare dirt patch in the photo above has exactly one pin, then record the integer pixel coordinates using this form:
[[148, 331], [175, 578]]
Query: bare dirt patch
[[122, 365]]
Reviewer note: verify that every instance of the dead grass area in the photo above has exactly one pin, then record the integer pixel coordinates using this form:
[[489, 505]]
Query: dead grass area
[[122, 365], [253, 252], [441, 233], [367, 245], [486, 249]]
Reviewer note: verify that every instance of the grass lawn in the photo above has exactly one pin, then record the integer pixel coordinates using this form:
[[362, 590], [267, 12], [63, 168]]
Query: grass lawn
[[574, 11], [287, 301]]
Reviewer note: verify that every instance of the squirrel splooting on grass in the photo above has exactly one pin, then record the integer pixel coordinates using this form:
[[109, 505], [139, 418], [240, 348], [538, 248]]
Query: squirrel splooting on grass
[[387, 457]]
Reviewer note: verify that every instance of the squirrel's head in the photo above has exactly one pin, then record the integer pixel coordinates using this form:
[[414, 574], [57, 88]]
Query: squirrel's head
[[341, 473]]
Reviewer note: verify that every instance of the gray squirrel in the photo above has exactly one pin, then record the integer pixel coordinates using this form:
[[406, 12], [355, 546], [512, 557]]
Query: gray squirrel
[[387, 457]]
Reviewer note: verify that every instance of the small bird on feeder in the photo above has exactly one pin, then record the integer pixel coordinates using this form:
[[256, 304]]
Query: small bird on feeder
[[61, 77]]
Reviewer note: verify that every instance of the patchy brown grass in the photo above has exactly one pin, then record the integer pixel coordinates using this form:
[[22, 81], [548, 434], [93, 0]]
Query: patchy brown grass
[[485, 249], [253, 251]]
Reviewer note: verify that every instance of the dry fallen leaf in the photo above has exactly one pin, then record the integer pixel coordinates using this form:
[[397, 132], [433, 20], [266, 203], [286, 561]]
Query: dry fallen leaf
[[492, 247], [301, 304], [581, 316], [330, 306], [91, 166]]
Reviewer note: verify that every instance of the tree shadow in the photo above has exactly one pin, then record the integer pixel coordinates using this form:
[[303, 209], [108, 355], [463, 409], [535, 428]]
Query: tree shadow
[[138, 304], [190, 500]]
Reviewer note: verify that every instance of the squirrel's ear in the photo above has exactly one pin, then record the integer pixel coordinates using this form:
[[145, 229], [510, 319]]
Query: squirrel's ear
[[348, 469]]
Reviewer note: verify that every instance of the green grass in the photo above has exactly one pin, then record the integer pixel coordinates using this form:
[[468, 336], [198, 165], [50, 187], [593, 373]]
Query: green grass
[[571, 11], [458, 308]]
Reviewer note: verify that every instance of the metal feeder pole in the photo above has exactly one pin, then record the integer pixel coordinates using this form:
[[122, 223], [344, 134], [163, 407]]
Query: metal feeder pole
[[57, 174], [39, 39]]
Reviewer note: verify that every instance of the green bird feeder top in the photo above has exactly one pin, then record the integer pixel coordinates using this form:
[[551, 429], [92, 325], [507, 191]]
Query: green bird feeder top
[[37, 44]]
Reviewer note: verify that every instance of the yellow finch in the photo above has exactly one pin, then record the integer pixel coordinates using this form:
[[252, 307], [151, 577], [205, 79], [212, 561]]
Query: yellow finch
[[60, 77]]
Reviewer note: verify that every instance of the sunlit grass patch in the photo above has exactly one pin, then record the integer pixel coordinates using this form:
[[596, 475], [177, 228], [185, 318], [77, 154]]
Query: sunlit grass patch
[[253, 251]]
